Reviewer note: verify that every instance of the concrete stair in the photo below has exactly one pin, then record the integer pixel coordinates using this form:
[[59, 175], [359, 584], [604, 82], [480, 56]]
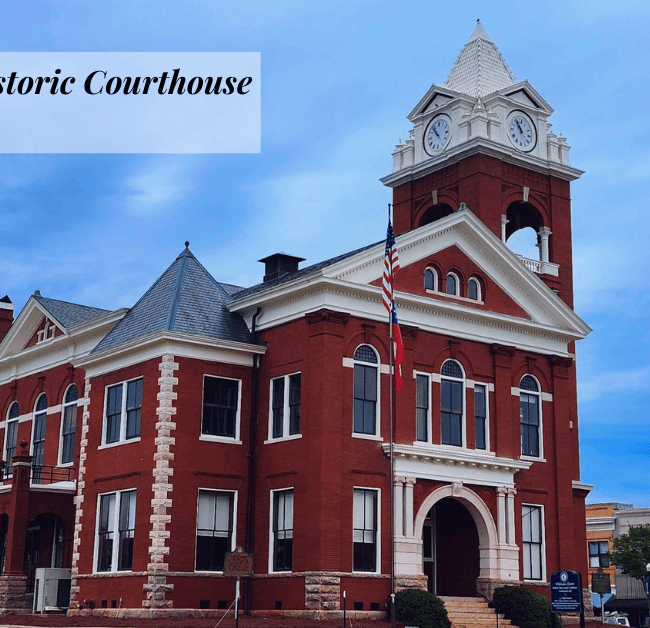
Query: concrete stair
[[472, 612]]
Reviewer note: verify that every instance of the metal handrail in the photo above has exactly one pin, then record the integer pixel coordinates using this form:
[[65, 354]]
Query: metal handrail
[[41, 474]]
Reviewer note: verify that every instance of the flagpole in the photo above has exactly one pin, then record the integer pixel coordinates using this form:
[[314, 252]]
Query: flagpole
[[391, 398]]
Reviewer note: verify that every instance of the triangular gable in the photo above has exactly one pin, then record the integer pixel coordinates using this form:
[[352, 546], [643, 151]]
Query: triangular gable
[[452, 259], [25, 330], [435, 94], [496, 262], [523, 93]]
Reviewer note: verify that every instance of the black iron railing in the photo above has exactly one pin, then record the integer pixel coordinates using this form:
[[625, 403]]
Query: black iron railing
[[41, 474]]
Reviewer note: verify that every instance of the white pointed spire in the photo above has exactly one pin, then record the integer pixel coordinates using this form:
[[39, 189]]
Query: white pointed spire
[[479, 69]]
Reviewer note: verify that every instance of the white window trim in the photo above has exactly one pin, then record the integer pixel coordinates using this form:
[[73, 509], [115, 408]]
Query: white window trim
[[429, 440], [271, 538], [34, 413], [286, 417], [116, 518], [378, 538], [222, 439], [479, 291], [6, 426], [63, 407], [543, 531], [378, 366], [233, 543], [122, 440], [540, 396], [453, 294], [463, 444], [436, 282], [487, 413]]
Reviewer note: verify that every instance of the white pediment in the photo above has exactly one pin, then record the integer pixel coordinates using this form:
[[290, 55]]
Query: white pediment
[[350, 285]]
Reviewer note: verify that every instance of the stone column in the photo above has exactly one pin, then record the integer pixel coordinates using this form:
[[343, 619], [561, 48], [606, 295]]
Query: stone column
[[501, 514], [544, 233], [504, 222], [510, 523], [398, 488], [408, 508]]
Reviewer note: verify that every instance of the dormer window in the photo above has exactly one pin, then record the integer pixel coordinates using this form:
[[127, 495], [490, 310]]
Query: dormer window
[[452, 284], [430, 279], [45, 333]]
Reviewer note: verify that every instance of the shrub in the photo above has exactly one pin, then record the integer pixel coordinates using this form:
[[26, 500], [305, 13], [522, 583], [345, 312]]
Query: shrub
[[524, 607], [420, 608]]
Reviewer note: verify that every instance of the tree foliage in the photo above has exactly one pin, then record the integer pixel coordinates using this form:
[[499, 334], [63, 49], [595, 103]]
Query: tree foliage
[[420, 608], [631, 551]]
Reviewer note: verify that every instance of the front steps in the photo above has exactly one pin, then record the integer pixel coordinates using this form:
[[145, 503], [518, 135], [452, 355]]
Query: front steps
[[472, 612]]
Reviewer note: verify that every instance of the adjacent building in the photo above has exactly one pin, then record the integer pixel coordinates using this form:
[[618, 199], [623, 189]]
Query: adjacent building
[[142, 445]]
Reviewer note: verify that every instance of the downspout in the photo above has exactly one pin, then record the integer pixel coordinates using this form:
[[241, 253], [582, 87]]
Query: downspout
[[250, 502]]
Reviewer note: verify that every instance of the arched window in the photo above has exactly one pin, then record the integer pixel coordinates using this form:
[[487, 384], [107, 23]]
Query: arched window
[[474, 289], [529, 414], [11, 433], [38, 435], [451, 403], [452, 284], [366, 380], [430, 279], [69, 424]]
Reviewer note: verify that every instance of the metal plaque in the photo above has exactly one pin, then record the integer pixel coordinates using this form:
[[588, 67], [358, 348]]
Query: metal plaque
[[238, 563], [566, 593]]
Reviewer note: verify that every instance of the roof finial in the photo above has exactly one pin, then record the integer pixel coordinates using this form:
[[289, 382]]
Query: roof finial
[[478, 20], [187, 244]]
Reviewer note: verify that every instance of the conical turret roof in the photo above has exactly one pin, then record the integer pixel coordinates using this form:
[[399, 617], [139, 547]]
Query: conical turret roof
[[480, 69]]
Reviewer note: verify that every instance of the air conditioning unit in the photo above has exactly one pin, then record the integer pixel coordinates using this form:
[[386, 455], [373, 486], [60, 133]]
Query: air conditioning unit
[[51, 590]]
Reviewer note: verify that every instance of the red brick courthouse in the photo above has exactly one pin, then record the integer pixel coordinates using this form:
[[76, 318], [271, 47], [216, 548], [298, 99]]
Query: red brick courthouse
[[141, 445]]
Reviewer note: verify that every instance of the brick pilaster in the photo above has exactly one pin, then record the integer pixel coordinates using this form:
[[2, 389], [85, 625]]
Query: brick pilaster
[[157, 588]]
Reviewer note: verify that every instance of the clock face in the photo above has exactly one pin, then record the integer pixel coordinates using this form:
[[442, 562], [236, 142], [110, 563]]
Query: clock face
[[521, 132], [438, 135]]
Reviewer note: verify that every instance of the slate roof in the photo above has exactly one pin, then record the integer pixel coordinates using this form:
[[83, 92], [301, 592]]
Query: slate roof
[[185, 299], [309, 270], [479, 69], [69, 314]]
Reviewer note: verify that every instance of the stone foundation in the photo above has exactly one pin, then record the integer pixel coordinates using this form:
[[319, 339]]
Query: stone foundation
[[322, 591], [13, 596], [411, 582]]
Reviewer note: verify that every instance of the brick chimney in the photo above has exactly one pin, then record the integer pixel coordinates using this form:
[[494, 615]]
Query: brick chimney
[[280, 264], [6, 315]]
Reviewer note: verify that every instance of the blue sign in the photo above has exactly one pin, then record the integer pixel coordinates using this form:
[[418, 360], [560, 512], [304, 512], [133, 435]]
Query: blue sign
[[566, 592]]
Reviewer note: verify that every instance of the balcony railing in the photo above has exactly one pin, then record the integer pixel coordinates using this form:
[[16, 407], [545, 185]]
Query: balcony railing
[[44, 474]]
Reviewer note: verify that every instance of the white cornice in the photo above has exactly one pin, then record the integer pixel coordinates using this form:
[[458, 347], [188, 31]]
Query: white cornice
[[581, 486], [163, 342], [455, 464], [482, 146]]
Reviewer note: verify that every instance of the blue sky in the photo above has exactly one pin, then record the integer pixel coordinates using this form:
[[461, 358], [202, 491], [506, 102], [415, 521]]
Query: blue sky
[[338, 79]]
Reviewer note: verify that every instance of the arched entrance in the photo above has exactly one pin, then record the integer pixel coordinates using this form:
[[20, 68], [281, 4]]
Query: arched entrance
[[44, 545], [450, 549], [459, 540]]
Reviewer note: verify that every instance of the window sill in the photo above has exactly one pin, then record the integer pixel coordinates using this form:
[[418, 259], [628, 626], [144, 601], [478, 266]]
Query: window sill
[[455, 296], [219, 439], [65, 464], [367, 437], [532, 459], [118, 444], [282, 439]]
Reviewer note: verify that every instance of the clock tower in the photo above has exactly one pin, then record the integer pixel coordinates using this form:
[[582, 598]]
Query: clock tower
[[483, 139]]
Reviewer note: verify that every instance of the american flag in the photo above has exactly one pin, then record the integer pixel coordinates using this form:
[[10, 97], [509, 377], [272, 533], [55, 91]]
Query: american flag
[[391, 266], [399, 351]]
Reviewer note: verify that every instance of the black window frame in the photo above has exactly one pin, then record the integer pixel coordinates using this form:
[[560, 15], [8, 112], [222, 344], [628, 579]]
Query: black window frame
[[365, 536], [452, 404], [598, 550], [116, 531], [422, 407], [532, 546], [212, 544], [530, 417], [283, 531], [366, 391], [122, 411], [481, 417], [69, 424], [285, 406]]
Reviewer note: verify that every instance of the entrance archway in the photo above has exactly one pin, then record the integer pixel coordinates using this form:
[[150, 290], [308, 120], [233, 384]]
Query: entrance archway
[[459, 540]]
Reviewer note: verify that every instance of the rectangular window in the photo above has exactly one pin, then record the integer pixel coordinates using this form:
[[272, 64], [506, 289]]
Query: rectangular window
[[115, 531], [533, 542], [38, 446], [451, 407], [598, 551], [214, 529], [220, 406], [365, 399], [529, 417], [285, 406], [422, 407], [282, 530], [123, 406], [68, 433], [364, 534], [480, 415]]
